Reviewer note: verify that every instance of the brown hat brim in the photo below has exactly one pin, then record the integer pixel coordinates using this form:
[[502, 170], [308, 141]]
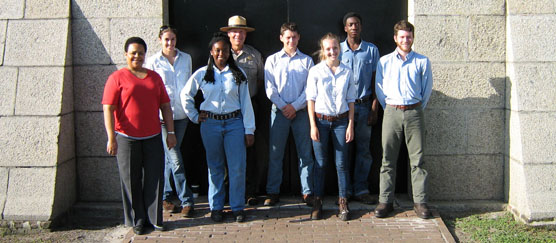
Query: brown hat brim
[[227, 28]]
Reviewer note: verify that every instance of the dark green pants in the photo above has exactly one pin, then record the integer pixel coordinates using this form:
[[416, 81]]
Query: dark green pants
[[397, 125]]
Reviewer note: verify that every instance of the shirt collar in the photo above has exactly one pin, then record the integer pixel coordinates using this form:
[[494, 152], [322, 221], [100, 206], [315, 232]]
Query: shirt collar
[[346, 48], [283, 53], [409, 55], [223, 70]]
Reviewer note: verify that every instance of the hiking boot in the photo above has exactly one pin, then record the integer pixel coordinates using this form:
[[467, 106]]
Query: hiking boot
[[422, 210], [216, 215], [343, 209], [239, 216], [252, 200]]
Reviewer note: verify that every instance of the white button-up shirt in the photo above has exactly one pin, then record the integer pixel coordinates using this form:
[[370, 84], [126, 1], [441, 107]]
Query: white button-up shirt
[[174, 77], [331, 92], [286, 78], [400, 82], [221, 97]]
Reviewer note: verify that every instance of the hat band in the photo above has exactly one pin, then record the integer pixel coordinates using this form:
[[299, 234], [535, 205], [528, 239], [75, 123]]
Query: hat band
[[238, 26]]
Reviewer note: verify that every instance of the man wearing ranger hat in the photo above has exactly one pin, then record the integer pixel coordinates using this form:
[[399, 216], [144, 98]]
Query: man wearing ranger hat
[[250, 60]]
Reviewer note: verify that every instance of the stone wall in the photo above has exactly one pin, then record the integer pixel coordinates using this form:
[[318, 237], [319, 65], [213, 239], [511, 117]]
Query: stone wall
[[531, 110], [465, 41], [99, 30], [37, 166]]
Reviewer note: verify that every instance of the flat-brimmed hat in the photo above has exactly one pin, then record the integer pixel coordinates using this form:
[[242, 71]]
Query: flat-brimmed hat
[[237, 22]]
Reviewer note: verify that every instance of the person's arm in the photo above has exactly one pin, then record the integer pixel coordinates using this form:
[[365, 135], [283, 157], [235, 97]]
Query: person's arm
[[313, 121], [187, 98], [271, 89], [373, 115], [349, 131], [426, 83], [247, 113], [379, 85], [111, 145], [168, 118]]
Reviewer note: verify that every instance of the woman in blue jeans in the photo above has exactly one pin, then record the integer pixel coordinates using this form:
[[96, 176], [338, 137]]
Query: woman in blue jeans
[[331, 94], [227, 124]]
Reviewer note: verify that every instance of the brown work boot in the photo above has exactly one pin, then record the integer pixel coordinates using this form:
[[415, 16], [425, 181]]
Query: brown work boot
[[187, 211], [343, 209], [365, 198], [383, 209], [308, 199], [169, 206], [316, 212], [272, 199], [422, 210]]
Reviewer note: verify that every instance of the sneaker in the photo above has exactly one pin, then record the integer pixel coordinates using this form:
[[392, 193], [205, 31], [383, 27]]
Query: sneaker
[[187, 211], [169, 206], [272, 199], [365, 198], [239, 216], [308, 199], [343, 209], [316, 212], [216, 215]]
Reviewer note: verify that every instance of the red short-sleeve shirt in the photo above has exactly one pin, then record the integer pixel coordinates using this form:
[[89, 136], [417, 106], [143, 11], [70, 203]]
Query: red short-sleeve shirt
[[137, 102]]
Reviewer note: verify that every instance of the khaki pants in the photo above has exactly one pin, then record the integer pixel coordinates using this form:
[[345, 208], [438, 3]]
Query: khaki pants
[[399, 124]]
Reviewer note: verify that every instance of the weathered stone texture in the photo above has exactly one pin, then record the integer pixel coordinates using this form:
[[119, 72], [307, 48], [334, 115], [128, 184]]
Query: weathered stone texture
[[532, 86], [91, 40], [515, 141], [466, 177], [443, 38], [4, 172], [11, 9], [40, 90], [37, 43], [47, 9], [66, 143], [485, 133], [527, 38], [468, 85], [99, 179], [117, 9], [30, 193], [8, 82], [29, 141], [518, 187], [445, 132], [436, 7], [538, 131], [90, 134], [530, 6], [65, 184], [487, 40], [89, 86], [3, 26], [120, 32]]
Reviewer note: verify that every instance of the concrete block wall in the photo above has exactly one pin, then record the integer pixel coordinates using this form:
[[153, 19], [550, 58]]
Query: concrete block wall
[[37, 166], [531, 109], [465, 41], [99, 31]]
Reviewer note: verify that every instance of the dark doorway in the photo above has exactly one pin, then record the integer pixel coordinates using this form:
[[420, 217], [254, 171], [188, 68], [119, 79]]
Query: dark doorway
[[196, 20]]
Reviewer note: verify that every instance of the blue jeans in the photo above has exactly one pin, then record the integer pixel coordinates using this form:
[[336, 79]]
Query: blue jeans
[[279, 131], [363, 158], [336, 131], [175, 167], [224, 140]]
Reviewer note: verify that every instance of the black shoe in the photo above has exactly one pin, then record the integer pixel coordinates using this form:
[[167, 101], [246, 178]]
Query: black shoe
[[272, 199], [308, 199], [316, 211], [216, 215], [139, 229], [383, 209], [252, 200], [160, 227], [422, 210], [239, 216]]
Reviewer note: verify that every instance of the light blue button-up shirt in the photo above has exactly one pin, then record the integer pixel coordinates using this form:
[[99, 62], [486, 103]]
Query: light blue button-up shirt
[[362, 63], [331, 92], [286, 78], [174, 77], [221, 97], [400, 82]]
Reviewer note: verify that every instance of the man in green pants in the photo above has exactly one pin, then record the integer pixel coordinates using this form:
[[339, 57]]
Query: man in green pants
[[403, 88]]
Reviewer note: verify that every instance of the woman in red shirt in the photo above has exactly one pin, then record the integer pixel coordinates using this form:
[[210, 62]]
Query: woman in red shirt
[[133, 97]]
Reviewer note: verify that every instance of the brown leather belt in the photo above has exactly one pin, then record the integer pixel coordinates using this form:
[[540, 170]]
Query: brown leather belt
[[363, 100], [332, 118], [222, 116], [406, 107]]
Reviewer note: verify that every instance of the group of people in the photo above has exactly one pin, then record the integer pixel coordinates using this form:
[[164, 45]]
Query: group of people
[[148, 104]]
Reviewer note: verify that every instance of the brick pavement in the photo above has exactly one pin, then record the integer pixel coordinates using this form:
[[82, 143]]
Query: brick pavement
[[289, 222]]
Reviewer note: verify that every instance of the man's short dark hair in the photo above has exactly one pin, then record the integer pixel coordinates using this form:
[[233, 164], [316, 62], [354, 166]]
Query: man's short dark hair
[[135, 40], [404, 25], [291, 26], [352, 14]]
